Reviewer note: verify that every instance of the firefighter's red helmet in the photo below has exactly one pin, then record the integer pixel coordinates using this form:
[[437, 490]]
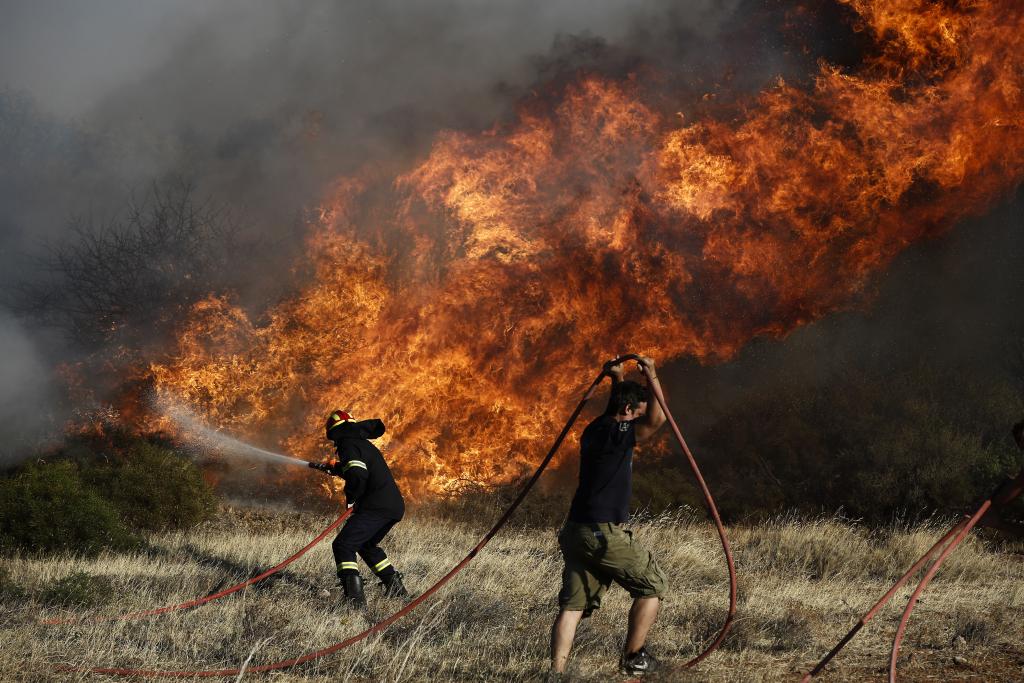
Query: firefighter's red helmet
[[338, 417]]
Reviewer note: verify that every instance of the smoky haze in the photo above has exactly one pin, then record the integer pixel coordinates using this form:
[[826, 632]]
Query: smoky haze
[[258, 106], [261, 105], [25, 394]]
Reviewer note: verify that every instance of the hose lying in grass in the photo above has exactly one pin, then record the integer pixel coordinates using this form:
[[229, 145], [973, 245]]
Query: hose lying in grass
[[214, 596], [1008, 491]]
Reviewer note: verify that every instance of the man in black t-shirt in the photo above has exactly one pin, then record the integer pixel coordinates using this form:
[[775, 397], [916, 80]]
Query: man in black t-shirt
[[596, 548]]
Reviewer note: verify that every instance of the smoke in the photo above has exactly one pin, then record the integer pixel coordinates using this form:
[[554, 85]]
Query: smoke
[[261, 106], [26, 394], [373, 56]]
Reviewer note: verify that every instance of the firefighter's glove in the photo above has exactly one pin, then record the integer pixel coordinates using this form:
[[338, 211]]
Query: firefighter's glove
[[326, 468]]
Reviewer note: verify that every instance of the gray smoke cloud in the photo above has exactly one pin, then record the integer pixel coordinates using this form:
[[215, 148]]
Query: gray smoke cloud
[[75, 57], [26, 405], [261, 104]]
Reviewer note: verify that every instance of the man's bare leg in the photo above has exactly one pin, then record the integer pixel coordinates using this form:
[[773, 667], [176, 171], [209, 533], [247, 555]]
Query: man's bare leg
[[641, 617], [562, 633]]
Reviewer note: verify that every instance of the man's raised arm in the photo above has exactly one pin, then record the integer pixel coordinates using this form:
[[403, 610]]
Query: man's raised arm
[[654, 417], [615, 371]]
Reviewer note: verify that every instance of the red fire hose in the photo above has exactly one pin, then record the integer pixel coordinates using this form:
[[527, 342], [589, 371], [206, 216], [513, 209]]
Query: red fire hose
[[466, 560], [965, 528], [1008, 491], [215, 596], [712, 508]]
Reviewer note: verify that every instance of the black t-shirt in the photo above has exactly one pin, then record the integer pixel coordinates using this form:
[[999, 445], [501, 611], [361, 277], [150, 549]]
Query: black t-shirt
[[606, 472]]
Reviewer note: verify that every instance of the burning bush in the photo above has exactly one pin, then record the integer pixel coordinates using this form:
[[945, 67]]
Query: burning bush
[[498, 271]]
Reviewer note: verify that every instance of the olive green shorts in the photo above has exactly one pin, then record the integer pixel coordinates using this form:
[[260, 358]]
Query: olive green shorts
[[597, 554]]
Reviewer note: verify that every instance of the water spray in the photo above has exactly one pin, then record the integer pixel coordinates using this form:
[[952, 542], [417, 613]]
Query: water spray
[[199, 435]]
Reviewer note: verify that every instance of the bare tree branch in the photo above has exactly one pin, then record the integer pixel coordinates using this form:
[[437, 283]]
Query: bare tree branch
[[134, 277]]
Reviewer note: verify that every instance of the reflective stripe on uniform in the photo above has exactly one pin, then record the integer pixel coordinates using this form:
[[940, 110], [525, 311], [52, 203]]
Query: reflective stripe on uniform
[[348, 565], [383, 564], [354, 463]]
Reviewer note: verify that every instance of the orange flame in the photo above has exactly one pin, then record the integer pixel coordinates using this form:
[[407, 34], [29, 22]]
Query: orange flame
[[465, 302]]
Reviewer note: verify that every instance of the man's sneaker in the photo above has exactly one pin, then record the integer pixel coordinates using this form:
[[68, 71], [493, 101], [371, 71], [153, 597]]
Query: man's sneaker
[[639, 663]]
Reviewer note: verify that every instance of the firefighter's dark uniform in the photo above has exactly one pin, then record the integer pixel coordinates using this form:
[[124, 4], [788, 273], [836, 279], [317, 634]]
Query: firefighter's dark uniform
[[378, 504]]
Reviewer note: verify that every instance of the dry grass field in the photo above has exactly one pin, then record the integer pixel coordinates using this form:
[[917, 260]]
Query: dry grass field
[[802, 585]]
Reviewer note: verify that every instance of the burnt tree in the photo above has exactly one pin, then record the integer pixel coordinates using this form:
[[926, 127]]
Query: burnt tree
[[130, 280]]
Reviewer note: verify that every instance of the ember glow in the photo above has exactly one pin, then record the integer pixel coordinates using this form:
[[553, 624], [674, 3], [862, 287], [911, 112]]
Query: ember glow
[[466, 301]]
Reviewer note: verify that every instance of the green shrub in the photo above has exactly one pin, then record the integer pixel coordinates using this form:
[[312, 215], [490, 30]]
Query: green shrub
[[47, 507], [876, 444], [97, 495], [79, 589], [152, 487]]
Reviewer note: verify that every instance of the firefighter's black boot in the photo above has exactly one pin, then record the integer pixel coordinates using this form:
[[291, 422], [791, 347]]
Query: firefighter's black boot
[[393, 586], [352, 584]]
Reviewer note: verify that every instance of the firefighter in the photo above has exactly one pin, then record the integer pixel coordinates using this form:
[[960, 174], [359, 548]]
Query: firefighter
[[377, 502], [595, 546]]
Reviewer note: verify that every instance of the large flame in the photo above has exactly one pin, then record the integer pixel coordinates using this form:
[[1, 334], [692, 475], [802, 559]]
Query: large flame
[[465, 301]]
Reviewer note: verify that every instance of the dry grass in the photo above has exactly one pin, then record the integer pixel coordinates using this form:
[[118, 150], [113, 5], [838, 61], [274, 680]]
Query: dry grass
[[802, 585]]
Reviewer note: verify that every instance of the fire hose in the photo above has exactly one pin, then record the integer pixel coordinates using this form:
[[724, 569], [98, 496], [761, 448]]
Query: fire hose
[[381, 625], [1008, 491], [213, 596], [712, 509]]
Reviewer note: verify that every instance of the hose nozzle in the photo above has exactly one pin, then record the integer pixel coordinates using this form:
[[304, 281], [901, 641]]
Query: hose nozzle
[[322, 466]]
